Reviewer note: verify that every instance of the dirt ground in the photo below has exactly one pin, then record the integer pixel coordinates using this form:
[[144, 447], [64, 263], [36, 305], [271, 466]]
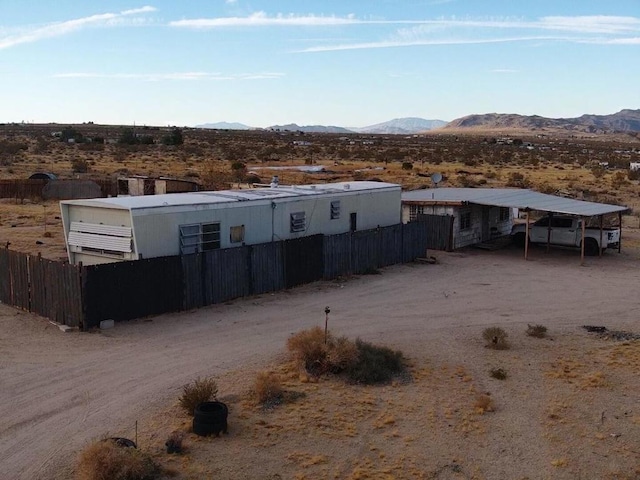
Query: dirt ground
[[568, 408]]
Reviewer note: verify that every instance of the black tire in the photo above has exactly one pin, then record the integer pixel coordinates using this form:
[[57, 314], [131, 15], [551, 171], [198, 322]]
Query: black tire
[[591, 247], [518, 239], [210, 418], [209, 412], [206, 429]]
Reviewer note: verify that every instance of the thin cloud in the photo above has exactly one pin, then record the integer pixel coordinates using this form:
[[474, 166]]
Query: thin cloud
[[453, 31], [177, 76], [261, 19], [64, 28], [424, 42]]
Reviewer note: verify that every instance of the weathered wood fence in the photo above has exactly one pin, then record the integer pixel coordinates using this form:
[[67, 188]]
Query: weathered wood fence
[[439, 230], [42, 189], [83, 296]]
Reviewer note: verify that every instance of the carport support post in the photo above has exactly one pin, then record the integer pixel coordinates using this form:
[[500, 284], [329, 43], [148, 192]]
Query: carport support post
[[526, 237], [620, 228], [582, 242], [600, 252]]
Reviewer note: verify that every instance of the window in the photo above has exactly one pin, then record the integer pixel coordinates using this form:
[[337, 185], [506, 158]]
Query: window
[[465, 220], [199, 237], [414, 211], [298, 222], [504, 214], [335, 210], [236, 234], [561, 222]]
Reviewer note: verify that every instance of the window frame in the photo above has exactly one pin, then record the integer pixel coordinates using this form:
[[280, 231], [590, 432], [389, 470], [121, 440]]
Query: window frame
[[297, 222], [199, 237], [465, 220]]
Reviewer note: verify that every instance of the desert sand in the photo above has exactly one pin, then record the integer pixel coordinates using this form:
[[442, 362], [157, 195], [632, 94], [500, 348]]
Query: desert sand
[[568, 408]]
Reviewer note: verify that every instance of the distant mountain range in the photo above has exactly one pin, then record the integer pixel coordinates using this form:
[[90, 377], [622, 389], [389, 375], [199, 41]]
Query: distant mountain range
[[623, 121], [398, 126]]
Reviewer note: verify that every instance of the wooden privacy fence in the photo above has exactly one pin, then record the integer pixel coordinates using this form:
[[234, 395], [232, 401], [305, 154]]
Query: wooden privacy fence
[[42, 189], [50, 289], [439, 230], [84, 296]]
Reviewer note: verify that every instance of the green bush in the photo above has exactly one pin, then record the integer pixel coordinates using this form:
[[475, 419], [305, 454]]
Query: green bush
[[375, 364]]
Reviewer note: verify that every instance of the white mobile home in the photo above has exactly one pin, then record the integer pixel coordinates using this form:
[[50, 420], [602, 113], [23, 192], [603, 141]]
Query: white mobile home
[[105, 230]]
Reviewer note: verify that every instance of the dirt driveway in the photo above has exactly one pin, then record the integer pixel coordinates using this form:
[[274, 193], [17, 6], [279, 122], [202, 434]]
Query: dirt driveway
[[59, 390]]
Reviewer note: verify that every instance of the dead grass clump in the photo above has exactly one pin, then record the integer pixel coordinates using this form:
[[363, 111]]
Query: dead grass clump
[[498, 373], [309, 348], [342, 354], [496, 338], [537, 331], [104, 460], [375, 364], [200, 390], [484, 403], [268, 388]]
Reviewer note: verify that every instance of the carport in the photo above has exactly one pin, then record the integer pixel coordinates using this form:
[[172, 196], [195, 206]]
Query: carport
[[528, 201]]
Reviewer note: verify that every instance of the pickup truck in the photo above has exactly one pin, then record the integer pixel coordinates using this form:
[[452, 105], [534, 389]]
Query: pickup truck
[[566, 231]]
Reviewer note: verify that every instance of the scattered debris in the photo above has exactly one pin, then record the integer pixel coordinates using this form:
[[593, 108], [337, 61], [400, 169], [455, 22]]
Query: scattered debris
[[607, 334]]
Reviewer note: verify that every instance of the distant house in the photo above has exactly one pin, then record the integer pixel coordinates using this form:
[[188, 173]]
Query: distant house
[[634, 166], [141, 185]]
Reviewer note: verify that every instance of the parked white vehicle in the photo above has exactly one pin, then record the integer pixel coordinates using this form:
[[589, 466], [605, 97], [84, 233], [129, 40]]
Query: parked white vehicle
[[566, 231]]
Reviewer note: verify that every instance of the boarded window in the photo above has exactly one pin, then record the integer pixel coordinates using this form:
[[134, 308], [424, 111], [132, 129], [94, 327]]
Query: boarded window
[[465, 220], [298, 222], [504, 214], [335, 210], [414, 211], [236, 234], [199, 237]]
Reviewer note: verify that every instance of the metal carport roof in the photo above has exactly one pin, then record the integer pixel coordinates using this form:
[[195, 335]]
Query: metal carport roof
[[511, 197]]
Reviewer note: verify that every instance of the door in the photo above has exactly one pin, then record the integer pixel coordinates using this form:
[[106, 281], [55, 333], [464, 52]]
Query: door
[[353, 222], [563, 231]]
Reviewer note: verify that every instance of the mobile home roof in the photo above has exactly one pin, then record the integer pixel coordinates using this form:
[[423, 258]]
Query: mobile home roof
[[229, 196]]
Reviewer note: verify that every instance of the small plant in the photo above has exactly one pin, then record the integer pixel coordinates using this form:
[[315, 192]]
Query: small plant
[[174, 442], [498, 373], [537, 331], [375, 364], [105, 460], [484, 403], [268, 388], [200, 390], [496, 338], [309, 348]]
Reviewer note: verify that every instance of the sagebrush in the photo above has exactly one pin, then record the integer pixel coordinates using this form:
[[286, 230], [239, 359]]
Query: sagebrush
[[196, 392], [319, 353], [496, 338], [537, 331], [104, 460], [268, 388], [375, 364]]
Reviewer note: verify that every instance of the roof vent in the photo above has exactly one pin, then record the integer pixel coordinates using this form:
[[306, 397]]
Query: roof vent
[[275, 181], [347, 186]]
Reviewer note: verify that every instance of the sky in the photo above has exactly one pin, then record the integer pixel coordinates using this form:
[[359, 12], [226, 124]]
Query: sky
[[310, 62]]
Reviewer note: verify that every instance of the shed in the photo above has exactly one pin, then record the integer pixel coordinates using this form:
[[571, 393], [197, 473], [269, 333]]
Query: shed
[[478, 214], [105, 230]]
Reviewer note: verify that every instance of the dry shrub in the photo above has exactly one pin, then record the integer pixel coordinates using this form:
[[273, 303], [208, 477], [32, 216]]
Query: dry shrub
[[104, 460], [174, 442], [342, 354], [484, 403], [200, 390], [268, 388], [308, 347], [375, 364], [496, 338], [498, 373], [537, 331]]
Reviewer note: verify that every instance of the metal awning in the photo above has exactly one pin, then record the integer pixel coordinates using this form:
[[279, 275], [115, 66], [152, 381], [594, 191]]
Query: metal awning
[[510, 197]]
